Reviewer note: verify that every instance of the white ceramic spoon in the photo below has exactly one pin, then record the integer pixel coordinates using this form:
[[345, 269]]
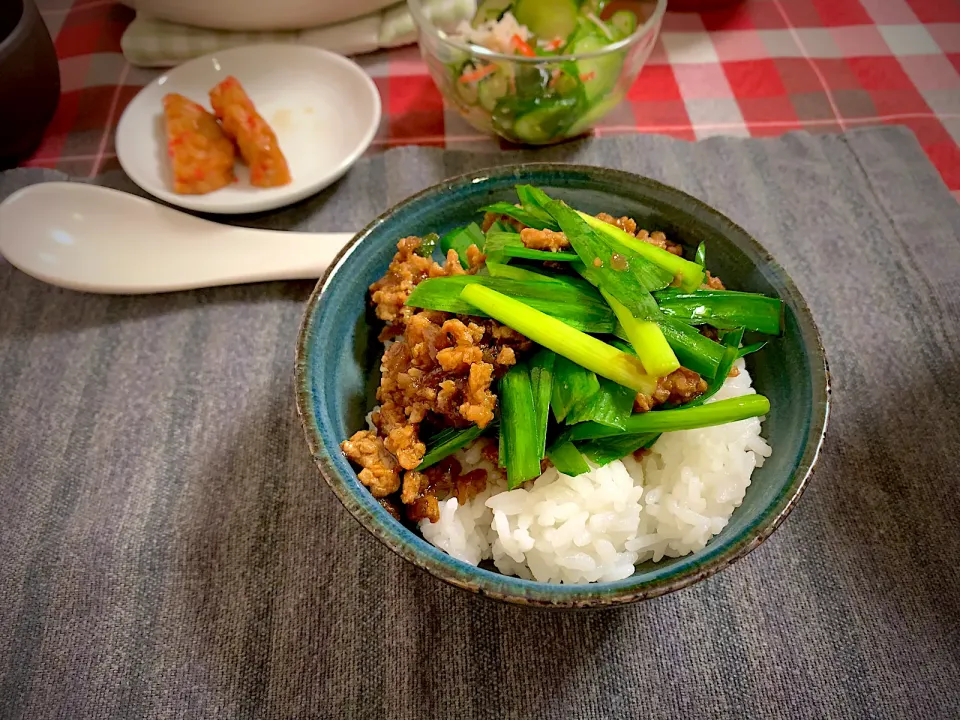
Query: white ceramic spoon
[[94, 239]]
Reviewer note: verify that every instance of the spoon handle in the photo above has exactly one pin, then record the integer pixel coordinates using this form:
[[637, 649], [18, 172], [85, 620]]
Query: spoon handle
[[99, 240], [242, 255]]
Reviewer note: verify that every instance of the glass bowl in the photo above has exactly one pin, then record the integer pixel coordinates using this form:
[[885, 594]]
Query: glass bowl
[[543, 99]]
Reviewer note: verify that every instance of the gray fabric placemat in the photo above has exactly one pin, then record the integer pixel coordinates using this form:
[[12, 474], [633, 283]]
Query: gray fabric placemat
[[170, 551]]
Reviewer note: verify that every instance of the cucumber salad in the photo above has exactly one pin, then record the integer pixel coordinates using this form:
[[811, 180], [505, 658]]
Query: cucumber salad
[[541, 102]]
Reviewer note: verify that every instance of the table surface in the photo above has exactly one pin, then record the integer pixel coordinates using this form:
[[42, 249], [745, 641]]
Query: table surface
[[765, 67]]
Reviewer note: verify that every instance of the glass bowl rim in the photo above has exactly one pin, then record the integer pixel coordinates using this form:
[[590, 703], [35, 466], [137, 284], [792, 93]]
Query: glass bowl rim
[[425, 25]]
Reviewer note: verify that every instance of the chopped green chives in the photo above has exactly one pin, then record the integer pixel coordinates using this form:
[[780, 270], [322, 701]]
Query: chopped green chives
[[749, 349], [647, 339], [629, 277], [683, 418], [500, 245], [570, 383], [611, 405], [583, 349], [541, 378], [701, 257], [447, 442], [731, 351], [461, 239], [724, 309], [567, 459], [694, 351], [603, 451], [690, 273], [518, 427], [515, 272], [529, 217], [568, 302]]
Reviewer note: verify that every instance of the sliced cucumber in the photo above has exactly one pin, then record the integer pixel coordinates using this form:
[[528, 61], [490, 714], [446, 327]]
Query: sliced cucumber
[[594, 6], [503, 117], [623, 23], [466, 91], [548, 19], [585, 28], [544, 123], [567, 82], [598, 74], [490, 10], [492, 88], [532, 81], [593, 114]]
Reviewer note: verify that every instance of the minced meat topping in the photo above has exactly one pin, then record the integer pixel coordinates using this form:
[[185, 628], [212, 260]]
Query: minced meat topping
[[379, 472], [438, 370], [629, 226], [544, 240], [680, 386]]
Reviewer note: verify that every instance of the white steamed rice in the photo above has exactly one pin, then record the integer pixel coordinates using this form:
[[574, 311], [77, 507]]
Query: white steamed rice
[[597, 526]]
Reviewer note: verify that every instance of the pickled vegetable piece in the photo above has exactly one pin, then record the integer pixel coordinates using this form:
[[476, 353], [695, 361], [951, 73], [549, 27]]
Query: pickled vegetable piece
[[201, 155], [256, 140]]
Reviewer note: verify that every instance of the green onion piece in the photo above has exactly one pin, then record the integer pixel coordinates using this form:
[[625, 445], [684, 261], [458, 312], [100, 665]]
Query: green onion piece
[[517, 272], [462, 238], [731, 350], [583, 349], [502, 245], [541, 378], [427, 245], [571, 382], [499, 227], [501, 450], [694, 351], [592, 246], [701, 257], [518, 426], [724, 309], [684, 418], [603, 451], [567, 459], [540, 221], [446, 443], [534, 196], [691, 275], [530, 201], [568, 303], [628, 278], [647, 339], [748, 349], [646, 306], [612, 406], [525, 253]]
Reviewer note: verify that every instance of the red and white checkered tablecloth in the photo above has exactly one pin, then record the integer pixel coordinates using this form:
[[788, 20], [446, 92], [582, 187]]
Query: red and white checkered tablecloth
[[763, 68]]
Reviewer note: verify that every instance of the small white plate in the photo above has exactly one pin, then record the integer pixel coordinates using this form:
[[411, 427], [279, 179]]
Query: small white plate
[[324, 109]]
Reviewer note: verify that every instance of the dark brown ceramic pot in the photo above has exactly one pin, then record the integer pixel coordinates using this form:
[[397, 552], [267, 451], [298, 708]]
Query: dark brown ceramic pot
[[29, 80]]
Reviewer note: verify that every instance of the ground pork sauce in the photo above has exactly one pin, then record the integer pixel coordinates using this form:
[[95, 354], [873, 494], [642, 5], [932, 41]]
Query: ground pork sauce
[[438, 371]]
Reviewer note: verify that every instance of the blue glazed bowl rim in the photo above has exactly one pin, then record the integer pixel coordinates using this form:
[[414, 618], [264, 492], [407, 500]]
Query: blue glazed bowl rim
[[683, 571]]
